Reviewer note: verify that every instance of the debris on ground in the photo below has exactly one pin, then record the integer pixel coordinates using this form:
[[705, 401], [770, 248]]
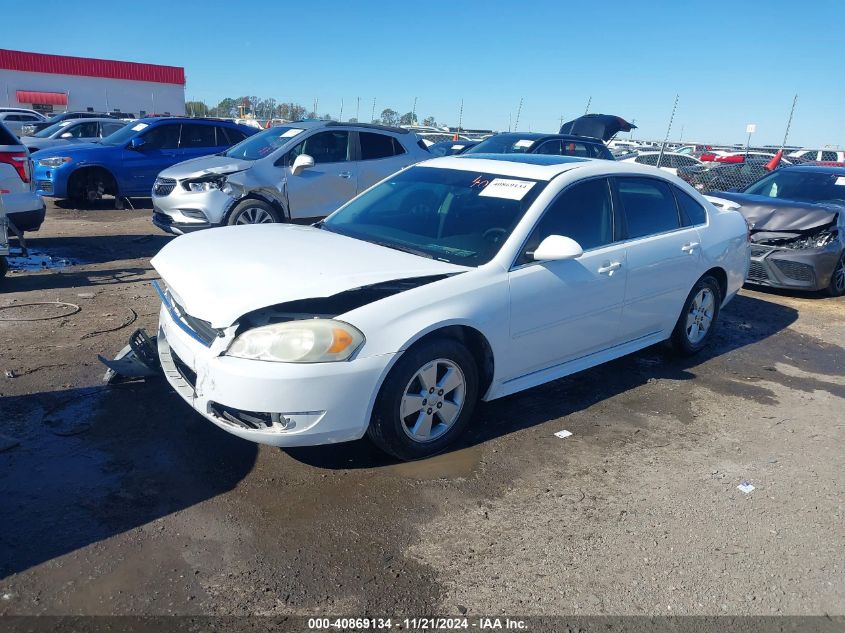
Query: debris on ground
[[139, 359], [563, 434], [745, 487]]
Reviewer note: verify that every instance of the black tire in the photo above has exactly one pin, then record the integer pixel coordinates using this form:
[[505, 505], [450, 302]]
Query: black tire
[[681, 340], [387, 428], [256, 208], [836, 288]]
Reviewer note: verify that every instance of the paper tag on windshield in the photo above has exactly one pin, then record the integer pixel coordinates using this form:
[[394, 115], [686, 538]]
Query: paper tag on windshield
[[139, 126], [506, 188], [458, 146], [289, 133], [524, 143], [66, 123], [840, 181]]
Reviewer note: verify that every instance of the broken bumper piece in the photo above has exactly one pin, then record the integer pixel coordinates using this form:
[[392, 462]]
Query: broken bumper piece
[[139, 359], [800, 269]]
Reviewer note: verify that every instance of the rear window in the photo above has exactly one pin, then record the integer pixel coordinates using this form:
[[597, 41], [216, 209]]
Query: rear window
[[374, 146], [6, 137]]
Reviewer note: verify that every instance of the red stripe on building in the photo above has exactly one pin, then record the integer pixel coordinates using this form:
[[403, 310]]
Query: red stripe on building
[[88, 67], [49, 98]]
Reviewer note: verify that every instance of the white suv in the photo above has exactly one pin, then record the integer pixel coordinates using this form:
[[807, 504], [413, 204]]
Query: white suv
[[821, 155], [16, 118], [24, 207], [299, 171]]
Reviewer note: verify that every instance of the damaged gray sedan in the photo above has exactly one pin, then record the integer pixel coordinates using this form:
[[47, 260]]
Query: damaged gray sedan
[[796, 217]]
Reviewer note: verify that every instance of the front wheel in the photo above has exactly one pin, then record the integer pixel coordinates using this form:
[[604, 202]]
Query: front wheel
[[837, 279], [426, 401], [254, 212], [698, 318]]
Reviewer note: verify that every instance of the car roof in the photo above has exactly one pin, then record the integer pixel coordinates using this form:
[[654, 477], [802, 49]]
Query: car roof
[[822, 169], [537, 166], [534, 136], [152, 120]]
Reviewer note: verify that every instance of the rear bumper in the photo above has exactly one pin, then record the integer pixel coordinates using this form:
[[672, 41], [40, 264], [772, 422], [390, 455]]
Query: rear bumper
[[29, 220], [806, 269]]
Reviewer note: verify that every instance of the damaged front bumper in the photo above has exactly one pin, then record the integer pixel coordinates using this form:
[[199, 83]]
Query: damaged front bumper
[[281, 404], [791, 268]]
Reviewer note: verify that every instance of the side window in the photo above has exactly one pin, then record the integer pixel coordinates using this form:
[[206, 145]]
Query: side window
[[649, 206], [324, 147], [647, 159], [163, 137], [685, 161], [374, 146], [692, 213], [222, 135], [110, 128], [549, 147], [583, 212], [568, 148], [85, 130], [829, 156], [194, 135], [235, 136]]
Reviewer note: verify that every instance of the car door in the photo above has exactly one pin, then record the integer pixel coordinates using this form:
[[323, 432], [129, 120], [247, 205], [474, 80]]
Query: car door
[[663, 256], [564, 310], [195, 140], [319, 190], [379, 155], [141, 166]]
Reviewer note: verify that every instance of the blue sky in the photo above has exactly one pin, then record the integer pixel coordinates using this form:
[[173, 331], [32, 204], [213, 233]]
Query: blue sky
[[731, 62]]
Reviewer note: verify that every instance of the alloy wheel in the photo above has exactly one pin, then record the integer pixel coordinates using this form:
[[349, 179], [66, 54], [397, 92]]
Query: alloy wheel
[[838, 280], [255, 215], [433, 400], [700, 315]]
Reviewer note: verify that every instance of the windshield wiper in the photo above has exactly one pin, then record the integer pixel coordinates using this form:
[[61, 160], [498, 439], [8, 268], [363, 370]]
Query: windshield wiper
[[404, 249]]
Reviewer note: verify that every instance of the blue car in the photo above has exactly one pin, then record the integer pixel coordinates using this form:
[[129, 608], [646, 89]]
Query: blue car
[[127, 162]]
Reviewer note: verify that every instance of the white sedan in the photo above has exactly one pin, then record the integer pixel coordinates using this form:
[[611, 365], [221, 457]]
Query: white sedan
[[669, 161], [454, 280]]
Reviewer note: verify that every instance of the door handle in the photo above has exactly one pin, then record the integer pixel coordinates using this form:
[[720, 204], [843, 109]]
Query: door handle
[[608, 268], [345, 174], [689, 247]]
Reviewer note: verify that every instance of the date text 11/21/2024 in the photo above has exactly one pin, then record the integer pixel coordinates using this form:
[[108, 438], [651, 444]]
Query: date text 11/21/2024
[[424, 623]]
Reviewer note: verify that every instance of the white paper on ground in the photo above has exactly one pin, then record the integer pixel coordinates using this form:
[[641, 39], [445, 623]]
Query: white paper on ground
[[563, 434], [745, 487], [507, 188]]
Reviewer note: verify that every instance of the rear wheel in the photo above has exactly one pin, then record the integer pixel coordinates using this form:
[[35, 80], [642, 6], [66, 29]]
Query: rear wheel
[[698, 318], [426, 401], [837, 279], [254, 212]]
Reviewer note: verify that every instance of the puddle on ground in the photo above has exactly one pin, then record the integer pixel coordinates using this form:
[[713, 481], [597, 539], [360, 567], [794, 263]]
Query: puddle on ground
[[39, 260], [452, 465]]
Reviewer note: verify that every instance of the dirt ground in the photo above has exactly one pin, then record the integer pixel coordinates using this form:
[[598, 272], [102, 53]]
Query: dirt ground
[[121, 500]]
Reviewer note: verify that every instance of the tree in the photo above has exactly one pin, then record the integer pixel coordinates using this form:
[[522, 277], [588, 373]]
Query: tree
[[429, 121], [224, 108], [409, 118], [196, 108], [353, 120], [389, 116], [296, 112]]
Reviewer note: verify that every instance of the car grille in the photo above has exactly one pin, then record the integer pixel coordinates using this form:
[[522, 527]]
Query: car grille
[[164, 186], [186, 372], [759, 251], [243, 419], [795, 270], [45, 185], [757, 272]]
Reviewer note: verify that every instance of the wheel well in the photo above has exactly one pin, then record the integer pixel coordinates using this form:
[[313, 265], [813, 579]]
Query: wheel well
[[476, 343], [252, 196], [722, 277], [86, 174]]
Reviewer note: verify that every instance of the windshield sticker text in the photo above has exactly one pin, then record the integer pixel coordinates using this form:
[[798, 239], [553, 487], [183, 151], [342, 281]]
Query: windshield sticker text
[[524, 143], [289, 133], [139, 126], [506, 188]]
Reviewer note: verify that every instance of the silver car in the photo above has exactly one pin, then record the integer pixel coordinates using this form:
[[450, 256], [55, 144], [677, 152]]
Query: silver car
[[298, 171], [16, 118], [72, 131]]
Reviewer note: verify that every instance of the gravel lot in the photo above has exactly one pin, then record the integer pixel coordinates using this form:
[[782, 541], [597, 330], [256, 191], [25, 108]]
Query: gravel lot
[[123, 501]]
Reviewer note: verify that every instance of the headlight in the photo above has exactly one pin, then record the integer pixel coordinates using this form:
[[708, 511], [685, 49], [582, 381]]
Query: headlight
[[54, 161], [202, 185], [304, 341]]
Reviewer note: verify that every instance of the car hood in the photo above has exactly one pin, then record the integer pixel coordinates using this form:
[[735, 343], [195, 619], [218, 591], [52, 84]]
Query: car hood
[[219, 275], [775, 214], [206, 164], [74, 150], [603, 126], [43, 143]]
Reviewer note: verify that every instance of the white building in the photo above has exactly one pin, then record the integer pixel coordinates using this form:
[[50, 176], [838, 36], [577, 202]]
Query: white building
[[56, 83]]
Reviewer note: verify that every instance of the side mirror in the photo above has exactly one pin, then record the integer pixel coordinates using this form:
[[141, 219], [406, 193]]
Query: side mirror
[[66, 135], [556, 248], [137, 143], [301, 163]]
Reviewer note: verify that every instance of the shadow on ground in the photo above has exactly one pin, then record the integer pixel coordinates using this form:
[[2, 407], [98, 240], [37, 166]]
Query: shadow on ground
[[92, 463], [744, 322]]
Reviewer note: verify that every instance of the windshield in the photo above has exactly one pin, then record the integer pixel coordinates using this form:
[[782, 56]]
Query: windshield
[[456, 216], [503, 144], [122, 136], [263, 143], [47, 132], [804, 186]]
